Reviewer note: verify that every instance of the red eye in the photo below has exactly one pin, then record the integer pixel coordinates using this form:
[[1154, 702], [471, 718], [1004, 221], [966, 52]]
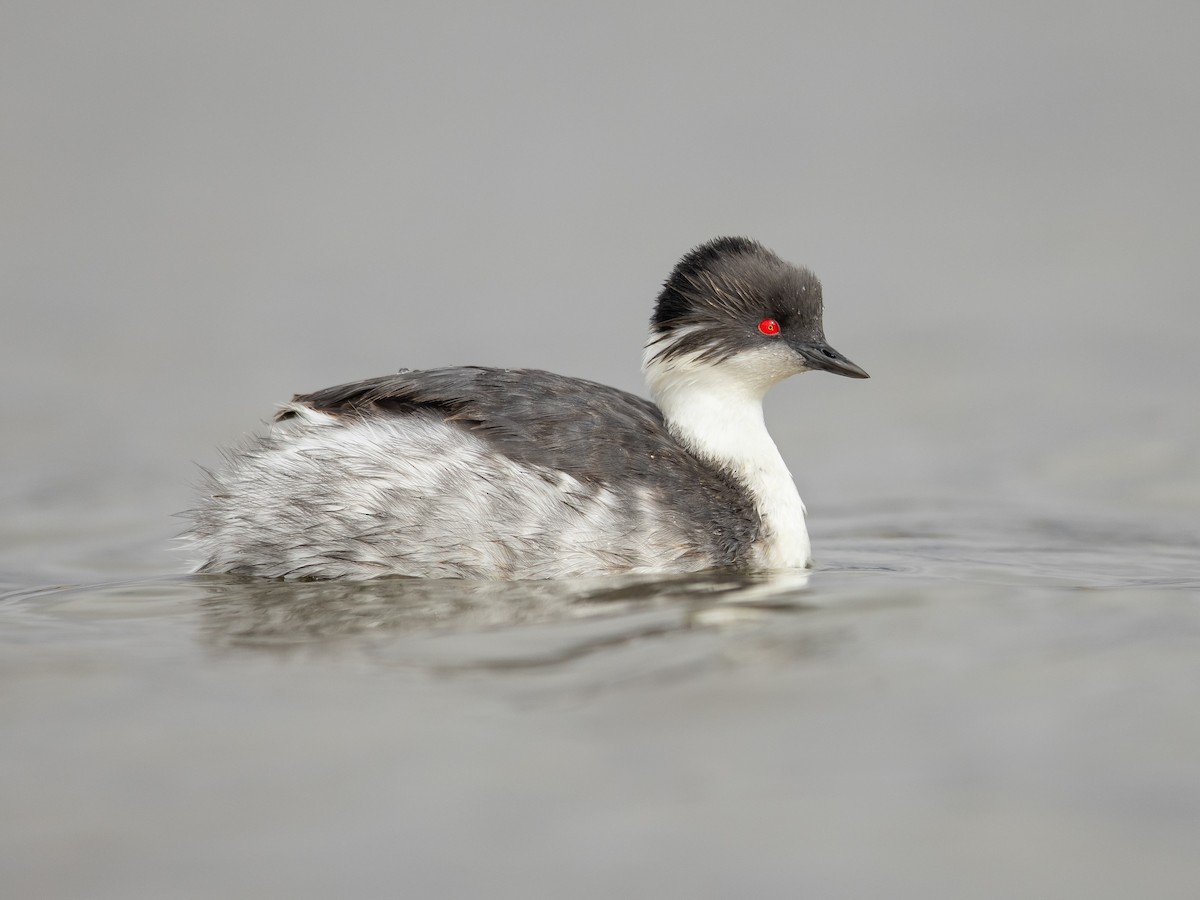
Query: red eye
[[769, 327]]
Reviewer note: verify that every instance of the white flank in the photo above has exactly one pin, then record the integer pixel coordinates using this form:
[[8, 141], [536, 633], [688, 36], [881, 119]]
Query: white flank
[[410, 496]]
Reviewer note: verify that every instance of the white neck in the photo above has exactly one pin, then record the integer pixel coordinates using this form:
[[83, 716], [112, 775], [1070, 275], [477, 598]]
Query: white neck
[[716, 411]]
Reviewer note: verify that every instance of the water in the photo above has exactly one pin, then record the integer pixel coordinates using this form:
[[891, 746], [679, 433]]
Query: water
[[953, 697], [987, 688]]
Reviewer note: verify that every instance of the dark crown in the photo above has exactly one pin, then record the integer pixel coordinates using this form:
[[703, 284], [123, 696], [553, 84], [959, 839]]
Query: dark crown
[[721, 290]]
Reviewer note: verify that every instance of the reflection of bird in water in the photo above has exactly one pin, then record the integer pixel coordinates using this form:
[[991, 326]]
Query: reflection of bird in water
[[501, 473], [457, 624]]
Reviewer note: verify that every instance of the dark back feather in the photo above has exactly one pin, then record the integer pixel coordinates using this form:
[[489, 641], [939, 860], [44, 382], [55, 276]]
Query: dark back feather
[[598, 434]]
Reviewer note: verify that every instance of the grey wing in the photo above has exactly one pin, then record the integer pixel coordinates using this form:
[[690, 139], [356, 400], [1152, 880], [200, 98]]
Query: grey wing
[[552, 423], [532, 416]]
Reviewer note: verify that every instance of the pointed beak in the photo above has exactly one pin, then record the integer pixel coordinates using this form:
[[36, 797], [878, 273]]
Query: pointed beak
[[819, 355]]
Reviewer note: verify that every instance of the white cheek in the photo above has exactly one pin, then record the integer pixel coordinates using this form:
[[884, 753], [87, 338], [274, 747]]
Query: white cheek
[[766, 366]]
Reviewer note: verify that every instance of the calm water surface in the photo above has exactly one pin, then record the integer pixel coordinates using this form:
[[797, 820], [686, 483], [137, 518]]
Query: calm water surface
[[957, 701], [989, 687]]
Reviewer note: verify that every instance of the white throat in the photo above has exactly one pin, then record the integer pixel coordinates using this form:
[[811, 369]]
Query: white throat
[[715, 409]]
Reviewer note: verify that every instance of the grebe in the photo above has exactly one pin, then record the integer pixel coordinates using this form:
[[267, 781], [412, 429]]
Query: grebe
[[519, 473]]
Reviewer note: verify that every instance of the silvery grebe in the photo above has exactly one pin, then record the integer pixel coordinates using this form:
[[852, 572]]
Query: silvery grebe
[[519, 473]]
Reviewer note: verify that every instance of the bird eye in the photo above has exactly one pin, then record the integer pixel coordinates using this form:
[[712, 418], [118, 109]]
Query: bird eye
[[769, 327]]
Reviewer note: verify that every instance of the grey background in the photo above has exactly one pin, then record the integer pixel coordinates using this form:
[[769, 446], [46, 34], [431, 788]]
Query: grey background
[[207, 207]]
